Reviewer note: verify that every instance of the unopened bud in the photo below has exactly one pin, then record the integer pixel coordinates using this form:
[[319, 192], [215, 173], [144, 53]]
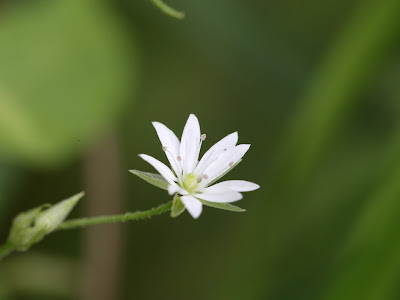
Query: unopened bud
[[55, 215], [32, 226]]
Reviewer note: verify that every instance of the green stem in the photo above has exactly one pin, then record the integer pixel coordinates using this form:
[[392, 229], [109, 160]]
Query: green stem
[[8, 248], [168, 10], [5, 250], [139, 215]]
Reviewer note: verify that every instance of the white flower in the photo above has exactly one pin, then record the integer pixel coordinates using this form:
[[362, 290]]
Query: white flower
[[192, 180]]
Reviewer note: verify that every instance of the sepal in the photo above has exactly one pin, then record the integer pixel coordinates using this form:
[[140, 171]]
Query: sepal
[[177, 206], [154, 179], [224, 206]]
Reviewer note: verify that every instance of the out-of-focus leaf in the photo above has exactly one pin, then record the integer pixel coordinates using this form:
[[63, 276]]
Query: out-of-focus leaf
[[369, 265], [351, 63], [334, 93], [66, 68], [48, 275], [10, 180], [154, 179], [4, 291]]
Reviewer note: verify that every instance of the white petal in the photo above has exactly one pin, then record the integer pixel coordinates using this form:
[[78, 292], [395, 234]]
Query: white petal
[[174, 188], [225, 161], [193, 206], [190, 144], [215, 151], [169, 140], [233, 185], [226, 196], [160, 167]]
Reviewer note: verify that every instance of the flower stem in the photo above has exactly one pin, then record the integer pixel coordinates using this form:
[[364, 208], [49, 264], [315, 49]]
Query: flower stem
[[5, 250], [8, 248], [139, 215], [168, 9]]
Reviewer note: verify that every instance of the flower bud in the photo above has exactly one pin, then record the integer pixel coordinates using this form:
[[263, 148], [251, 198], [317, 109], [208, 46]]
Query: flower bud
[[32, 226]]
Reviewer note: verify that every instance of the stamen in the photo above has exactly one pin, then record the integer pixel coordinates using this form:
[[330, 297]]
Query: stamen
[[202, 138], [199, 178], [205, 176], [231, 164], [164, 148], [179, 158]]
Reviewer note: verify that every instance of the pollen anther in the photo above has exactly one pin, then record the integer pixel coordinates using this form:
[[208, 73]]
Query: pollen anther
[[231, 164], [205, 176], [179, 158]]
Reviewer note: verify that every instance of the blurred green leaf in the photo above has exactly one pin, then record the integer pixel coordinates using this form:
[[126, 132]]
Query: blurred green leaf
[[368, 267], [154, 179], [66, 68], [361, 50], [10, 180], [4, 291], [39, 275], [352, 61]]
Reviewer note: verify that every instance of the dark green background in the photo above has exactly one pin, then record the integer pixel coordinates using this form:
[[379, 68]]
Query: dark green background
[[314, 86]]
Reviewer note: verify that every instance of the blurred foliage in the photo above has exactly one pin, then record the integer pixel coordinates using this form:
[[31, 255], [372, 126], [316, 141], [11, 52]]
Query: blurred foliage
[[369, 266], [168, 10], [10, 178], [52, 276], [313, 86], [65, 69]]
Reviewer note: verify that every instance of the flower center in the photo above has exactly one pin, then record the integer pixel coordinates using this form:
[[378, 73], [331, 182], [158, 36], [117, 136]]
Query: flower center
[[190, 183]]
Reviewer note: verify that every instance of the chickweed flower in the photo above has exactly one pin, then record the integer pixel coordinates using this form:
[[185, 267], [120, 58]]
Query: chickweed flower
[[192, 181]]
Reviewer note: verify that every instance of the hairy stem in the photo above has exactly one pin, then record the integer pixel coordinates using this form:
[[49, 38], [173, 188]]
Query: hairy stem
[[139, 215], [8, 248]]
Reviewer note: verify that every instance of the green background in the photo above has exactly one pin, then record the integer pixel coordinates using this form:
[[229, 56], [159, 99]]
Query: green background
[[314, 86]]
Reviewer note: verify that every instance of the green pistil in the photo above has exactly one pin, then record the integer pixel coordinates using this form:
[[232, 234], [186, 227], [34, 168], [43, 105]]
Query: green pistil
[[190, 183]]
